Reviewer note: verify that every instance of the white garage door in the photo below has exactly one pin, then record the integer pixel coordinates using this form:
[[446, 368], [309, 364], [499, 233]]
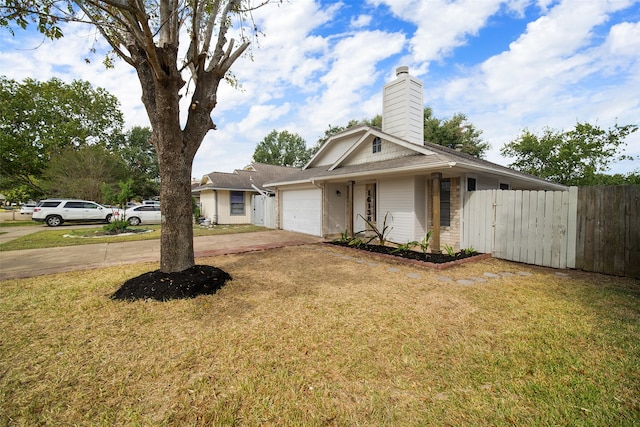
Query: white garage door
[[302, 211]]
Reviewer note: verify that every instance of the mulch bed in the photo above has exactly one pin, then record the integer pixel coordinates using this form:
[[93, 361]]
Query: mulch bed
[[160, 286], [429, 258]]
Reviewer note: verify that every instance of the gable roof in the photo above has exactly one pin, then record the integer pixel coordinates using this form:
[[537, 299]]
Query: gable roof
[[428, 158], [252, 178]]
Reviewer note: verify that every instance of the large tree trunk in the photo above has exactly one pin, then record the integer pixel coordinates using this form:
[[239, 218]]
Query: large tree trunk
[[176, 250], [160, 95], [161, 82]]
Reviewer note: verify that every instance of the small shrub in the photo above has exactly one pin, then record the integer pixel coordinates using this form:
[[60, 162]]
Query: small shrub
[[381, 234], [470, 251], [115, 227], [424, 243], [449, 250], [405, 247], [344, 237], [356, 242]]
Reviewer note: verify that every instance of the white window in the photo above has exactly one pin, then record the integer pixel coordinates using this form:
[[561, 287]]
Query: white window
[[377, 145], [445, 202], [237, 203]]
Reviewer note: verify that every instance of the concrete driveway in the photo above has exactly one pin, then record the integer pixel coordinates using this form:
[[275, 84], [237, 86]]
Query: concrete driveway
[[37, 262]]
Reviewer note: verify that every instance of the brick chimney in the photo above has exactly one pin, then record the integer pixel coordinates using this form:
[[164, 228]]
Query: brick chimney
[[403, 107]]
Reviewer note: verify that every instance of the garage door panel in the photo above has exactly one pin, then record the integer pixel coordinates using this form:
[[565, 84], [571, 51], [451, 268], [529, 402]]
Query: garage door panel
[[302, 211]]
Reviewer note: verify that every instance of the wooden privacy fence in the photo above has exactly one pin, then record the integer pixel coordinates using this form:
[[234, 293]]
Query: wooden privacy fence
[[534, 227], [608, 239], [591, 228]]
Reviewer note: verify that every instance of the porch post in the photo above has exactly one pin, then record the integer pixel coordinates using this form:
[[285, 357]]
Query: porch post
[[350, 208], [435, 205]]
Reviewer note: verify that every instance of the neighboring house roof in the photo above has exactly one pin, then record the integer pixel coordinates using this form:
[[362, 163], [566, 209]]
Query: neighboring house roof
[[252, 178], [425, 158]]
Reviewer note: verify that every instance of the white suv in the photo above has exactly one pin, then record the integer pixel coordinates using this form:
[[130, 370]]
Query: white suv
[[54, 212]]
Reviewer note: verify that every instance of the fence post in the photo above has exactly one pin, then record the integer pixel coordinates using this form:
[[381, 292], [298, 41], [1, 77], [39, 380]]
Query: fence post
[[572, 227]]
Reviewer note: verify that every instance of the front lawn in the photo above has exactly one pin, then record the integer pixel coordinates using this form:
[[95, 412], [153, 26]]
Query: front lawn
[[18, 223], [317, 335], [67, 236]]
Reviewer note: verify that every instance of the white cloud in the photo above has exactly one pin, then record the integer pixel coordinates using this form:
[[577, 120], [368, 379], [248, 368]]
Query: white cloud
[[316, 66], [550, 77], [361, 21], [442, 25]]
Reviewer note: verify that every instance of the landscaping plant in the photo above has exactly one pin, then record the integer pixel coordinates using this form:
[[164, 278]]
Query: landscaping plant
[[380, 234]]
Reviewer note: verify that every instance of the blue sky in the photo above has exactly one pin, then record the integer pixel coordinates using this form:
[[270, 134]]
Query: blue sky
[[507, 65]]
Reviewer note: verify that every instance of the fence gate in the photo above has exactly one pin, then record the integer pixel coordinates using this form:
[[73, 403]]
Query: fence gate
[[263, 210], [534, 227], [257, 213]]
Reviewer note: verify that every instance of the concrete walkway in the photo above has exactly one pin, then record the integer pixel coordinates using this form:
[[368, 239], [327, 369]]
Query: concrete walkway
[[37, 262]]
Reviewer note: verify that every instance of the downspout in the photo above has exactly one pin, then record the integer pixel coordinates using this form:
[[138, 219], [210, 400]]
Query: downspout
[[216, 218], [350, 185]]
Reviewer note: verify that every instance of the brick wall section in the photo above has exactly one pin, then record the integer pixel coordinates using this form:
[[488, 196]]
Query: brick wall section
[[448, 235]]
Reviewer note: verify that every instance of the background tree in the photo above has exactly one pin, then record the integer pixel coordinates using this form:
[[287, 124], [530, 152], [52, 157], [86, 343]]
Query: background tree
[[283, 149], [446, 132], [453, 132], [81, 173], [334, 130], [41, 119], [147, 35], [121, 197], [139, 154], [577, 157], [19, 194]]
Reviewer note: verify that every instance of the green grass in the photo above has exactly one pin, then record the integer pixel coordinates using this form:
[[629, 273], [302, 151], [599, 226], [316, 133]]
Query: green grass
[[18, 223], [57, 237], [303, 336]]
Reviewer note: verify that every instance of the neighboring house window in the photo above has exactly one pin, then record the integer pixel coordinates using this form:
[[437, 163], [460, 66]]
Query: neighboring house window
[[471, 184], [504, 186], [237, 203], [445, 202], [377, 145]]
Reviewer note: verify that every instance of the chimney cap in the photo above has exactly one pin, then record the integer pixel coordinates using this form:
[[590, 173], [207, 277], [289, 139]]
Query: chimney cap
[[402, 70]]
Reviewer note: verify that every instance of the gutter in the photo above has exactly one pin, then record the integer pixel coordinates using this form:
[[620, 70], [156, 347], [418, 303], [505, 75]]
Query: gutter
[[519, 176], [432, 167], [216, 193]]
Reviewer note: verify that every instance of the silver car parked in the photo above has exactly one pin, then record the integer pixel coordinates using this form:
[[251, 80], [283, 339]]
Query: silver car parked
[[143, 214]]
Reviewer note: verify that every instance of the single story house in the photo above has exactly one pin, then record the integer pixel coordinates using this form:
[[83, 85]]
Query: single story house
[[232, 198], [370, 173]]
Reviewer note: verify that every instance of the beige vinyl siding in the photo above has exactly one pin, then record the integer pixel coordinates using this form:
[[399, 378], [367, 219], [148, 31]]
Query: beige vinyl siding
[[336, 210], [364, 154], [224, 209], [420, 194], [333, 153], [208, 205], [403, 113], [396, 197]]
